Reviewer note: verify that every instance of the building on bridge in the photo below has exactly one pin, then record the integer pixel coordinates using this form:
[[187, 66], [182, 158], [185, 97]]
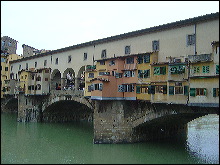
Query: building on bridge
[[173, 43]]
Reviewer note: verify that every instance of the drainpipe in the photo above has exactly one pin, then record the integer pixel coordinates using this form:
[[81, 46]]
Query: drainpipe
[[195, 39]]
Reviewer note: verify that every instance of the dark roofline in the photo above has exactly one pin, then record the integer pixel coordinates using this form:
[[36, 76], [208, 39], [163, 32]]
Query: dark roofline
[[171, 25]]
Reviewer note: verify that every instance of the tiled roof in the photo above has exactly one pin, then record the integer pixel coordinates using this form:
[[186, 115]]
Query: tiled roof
[[171, 25]]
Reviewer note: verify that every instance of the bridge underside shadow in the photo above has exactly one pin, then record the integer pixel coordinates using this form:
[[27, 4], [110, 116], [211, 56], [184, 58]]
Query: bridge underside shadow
[[65, 111], [135, 121]]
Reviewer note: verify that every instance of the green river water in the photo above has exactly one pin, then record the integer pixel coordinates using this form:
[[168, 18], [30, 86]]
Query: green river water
[[72, 143]]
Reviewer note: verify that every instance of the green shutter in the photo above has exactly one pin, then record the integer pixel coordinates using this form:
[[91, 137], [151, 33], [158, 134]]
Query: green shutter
[[152, 89], [217, 69], [171, 90], [192, 91], [157, 70], [164, 89], [149, 89], [186, 90], [214, 92], [138, 89], [205, 91], [163, 70]]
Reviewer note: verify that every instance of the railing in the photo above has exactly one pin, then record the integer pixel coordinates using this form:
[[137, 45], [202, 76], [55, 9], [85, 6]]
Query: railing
[[201, 57]]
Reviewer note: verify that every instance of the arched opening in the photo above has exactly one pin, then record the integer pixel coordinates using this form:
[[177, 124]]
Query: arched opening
[[11, 105], [56, 80], [80, 79], [66, 111], [69, 79]]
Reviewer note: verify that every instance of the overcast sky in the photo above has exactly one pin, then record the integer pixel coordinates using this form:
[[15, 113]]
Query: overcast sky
[[53, 25]]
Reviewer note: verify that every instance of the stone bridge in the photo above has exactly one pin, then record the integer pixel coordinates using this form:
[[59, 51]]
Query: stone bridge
[[115, 121]]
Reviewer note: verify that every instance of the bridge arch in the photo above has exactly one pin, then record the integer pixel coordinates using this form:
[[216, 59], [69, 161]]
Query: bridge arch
[[9, 105], [80, 79], [56, 79], [67, 110]]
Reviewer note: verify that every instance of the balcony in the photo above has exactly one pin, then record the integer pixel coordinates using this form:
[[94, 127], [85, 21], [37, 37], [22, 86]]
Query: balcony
[[200, 58], [90, 67]]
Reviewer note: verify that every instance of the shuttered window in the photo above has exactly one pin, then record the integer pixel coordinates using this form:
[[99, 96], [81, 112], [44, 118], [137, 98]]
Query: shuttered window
[[138, 89], [205, 69], [186, 90], [160, 70], [192, 91], [215, 92], [171, 90], [217, 69]]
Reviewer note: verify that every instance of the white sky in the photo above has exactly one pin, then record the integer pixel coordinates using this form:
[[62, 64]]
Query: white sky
[[53, 25]]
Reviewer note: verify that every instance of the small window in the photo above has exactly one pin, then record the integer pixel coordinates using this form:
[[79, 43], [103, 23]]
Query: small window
[[190, 39], [130, 60], [69, 59], [46, 79], [127, 49], [56, 62], [215, 92], [19, 67], [35, 64], [103, 55], [26, 66], [51, 59], [102, 62], [45, 62], [91, 75], [200, 91], [6, 68], [178, 90], [11, 68], [85, 56], [196, 69], [111, 63], [205, 69], [155, 45], [160, 70]]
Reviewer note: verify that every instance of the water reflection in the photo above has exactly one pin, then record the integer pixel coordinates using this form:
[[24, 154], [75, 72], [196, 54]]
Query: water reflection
[[71, 143], [203, 139]]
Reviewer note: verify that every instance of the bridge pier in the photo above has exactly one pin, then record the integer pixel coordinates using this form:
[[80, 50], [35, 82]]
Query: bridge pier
[[30, 108]]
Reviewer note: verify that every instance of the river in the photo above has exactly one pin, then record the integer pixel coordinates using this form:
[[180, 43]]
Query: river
[[71, 143]]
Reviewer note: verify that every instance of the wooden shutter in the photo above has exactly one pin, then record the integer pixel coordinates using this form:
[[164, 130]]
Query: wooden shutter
[[164, 89]]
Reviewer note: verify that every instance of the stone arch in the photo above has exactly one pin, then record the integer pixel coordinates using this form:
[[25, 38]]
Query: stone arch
[[68, 78], [56, 80], [80, 79], [10, 105], [67, 110]]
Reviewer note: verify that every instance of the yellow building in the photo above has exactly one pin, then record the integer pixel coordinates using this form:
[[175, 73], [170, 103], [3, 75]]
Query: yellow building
[[204, 78], [7, 79]]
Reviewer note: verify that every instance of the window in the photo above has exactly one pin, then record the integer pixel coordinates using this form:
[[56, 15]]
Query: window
[[196, 69], [217, 69], [155, 45], [38, 78], [6, 68], [102, 62], [161, 89], [129, 73], [160, 70], [177, 69], [11, 68], [130, 60], [143, 58], [56, 62], [19, 67], [144, 73], [126, 88], [69, 59], [91, 75], [190, 39], [178, 90], [97, 86], [104, 73], [26, 66], [35, 64], [111, 63], [215, 92], [127, 49], [200, 91], [46, 79], [205, 69], [45, 62], [51, 59], [103, 55], [142, 89], [85, 56]]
